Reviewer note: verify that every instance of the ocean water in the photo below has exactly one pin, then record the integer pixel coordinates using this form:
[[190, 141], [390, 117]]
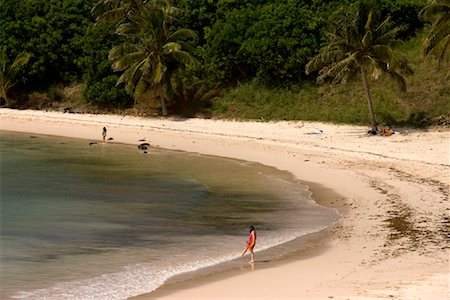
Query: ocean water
[[80, 221]]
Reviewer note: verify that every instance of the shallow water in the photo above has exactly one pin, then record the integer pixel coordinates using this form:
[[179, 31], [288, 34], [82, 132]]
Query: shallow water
[[107, 221]]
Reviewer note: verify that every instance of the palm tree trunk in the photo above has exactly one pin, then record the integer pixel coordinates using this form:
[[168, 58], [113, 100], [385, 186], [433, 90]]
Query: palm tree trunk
[[369, 100], [163, 101]]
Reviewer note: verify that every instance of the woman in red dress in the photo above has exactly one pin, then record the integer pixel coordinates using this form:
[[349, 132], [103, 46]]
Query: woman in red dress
[[251, 244]]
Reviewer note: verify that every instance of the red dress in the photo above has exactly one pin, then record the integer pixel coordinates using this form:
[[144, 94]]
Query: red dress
[[251, 243]]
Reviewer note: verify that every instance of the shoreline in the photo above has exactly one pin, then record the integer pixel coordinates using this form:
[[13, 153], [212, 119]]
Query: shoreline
[[386, 183], [307, 246]]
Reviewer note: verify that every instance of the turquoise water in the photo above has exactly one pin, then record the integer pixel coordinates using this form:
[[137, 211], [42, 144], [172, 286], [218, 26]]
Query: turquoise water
[[82, 221]]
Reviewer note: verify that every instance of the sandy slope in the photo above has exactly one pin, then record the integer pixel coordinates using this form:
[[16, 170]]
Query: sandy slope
[[393, 242]]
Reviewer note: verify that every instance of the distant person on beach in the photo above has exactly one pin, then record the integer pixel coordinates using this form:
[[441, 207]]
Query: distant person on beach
[[387, 131], [104, 134], [251, 244]]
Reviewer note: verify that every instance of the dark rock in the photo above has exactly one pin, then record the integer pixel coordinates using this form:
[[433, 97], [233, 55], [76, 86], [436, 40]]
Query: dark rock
[[143, 146]]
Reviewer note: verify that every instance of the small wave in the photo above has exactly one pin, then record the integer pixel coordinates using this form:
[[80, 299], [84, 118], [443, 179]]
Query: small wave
[[140, 279], [133, 281]]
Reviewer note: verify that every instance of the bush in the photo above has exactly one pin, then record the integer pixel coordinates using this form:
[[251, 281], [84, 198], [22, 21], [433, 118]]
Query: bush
[[104, 92]]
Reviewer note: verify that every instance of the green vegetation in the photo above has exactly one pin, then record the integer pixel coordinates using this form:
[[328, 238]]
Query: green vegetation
[[426, 97], [151, 54], [359, 43], [437, 41], [251, 58], [9, 71]]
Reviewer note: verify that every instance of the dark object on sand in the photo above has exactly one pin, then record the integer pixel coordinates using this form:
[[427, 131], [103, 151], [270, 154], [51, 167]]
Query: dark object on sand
[[315, 132], [92, 143], [373, 132], [110, 139], [143, 146]]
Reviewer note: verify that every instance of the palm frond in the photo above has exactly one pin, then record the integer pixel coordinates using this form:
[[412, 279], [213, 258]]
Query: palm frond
[[383, 26], [368, 24], [125, 77], [345, 64], [183, 34], [444, 48], [437, 12], [101, 6], [439, 31], [18, 63], [158, 72], [127, 60], [438, 50], [112, 14], [367, 39], [127, 29], [388, 37], [123, 49], [434, 9], [140, 88], [325, 57], [183, 58], [8, 71]]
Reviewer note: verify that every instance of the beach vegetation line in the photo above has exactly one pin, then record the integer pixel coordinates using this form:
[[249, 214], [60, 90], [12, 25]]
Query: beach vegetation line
[[246, 60]]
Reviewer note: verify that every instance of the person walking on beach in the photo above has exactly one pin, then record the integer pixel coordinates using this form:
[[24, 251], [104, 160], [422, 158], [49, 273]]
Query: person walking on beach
[[251, 244], [104, 134]]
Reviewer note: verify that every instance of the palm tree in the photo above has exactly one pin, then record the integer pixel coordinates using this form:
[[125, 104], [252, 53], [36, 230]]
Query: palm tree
[[8, 72], [151, 52], [358, 44], [437, 40]]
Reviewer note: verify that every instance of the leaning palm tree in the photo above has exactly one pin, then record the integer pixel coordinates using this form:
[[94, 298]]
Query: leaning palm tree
[[437, 40], [8, 72], [151, 51], [359, 44]]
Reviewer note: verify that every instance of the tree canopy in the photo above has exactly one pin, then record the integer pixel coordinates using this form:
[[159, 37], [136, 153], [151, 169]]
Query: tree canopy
[[267, 41]]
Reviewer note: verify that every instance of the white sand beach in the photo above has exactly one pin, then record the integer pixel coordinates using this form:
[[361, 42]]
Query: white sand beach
[[393, 242]]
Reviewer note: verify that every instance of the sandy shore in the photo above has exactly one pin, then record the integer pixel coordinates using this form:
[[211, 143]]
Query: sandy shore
[[393, 242]]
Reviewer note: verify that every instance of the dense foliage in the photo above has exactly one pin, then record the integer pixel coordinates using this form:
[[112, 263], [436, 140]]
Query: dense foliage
[[99, 78], [51, 31], [268, 42]]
